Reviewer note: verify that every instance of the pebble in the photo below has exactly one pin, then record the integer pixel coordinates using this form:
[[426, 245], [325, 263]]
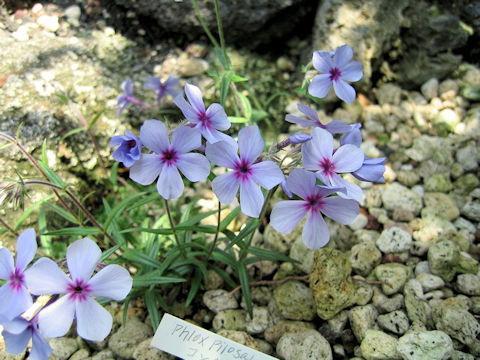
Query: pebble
[[49, 23], [395, 322], [364, 257], [230, 319], [430, 282], [63, 347], [472, 210], [80, 354], [73, 13], [294, 301], [128, 336], [442, 204], [218, 300], [145, 351], [274, 332], [396, 196], [307, 344], [385, 304], [425, 345], [430, 89], [192, 67], [259, 322], [443, 258], [467, 156], [378, 345], [468, 284], [362, 318], [394, 240], [418, 310], [394, 274]]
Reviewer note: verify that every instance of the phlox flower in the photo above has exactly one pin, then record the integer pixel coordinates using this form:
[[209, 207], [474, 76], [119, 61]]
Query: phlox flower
[[94, 323], [334, 127], [125, 99], [336, 69], [246, 174], [287, 214], [163, 88], [14, 296], [371, 169], [319, 155], [209, 121], [129, 148], [17, 334], [168, 158]]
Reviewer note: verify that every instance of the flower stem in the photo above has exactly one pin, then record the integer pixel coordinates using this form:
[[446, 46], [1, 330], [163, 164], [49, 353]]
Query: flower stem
[[219, 218], [172, 225], [204, 25], [220, 34]]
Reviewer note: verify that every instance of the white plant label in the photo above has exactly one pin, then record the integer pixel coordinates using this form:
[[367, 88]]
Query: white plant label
[[190, 342]]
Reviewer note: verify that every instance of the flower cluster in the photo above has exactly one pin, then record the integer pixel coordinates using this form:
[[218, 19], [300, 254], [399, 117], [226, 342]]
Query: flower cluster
[[319, 183], [45, 277]]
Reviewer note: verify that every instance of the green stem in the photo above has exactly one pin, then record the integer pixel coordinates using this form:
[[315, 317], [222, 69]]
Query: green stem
[[220, 34], [172, 226], [219, 218], [204, 25]]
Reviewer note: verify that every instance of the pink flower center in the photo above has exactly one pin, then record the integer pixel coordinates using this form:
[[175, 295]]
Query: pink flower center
[[16, 280], [131, 143], [204, 119], [242, 170], [335, 74], [314, 202], [78, 290], [327, 167], [169, 157]]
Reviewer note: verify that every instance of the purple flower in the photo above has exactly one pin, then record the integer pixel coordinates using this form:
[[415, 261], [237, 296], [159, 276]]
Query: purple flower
[[299, 138], [318, 155], [94, 323], [287, 214], [163, 88], [129, 148], [14, 296], [371, 169], [209, 121], [334, 127], [125, 99], [246, 173], [335, 67], [17, 334], [168, 158]]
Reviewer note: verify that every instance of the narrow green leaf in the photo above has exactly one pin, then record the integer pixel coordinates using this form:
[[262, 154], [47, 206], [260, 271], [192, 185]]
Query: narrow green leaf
[[44, 151], [224, 86], [72, 132], [251, 225], [247, 107], [120, 207], [52, 176], [153, 279], [140, 203], [224, 275], [62, 212], [269, 255], [114, 173], [237, 119], [237, 78], [243, 277], [194, 287], [106, 254], [75, 231], [141, 258], [151, 303], [30, 209], [95, 118], [46, 241], [229, 218]]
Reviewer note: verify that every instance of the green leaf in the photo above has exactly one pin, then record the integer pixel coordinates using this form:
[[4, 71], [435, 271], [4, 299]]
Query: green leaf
[[243, 277], [237, 78], [194, 287], [269, 255], [224, 86], [30, 209], [62, 212], [44, 151], [140, 203], [247, 107], [106, 254], [63, 99], [51, 175], [229, 218], [120, 207], [114, 173], [42, 228], [224, 275], [151, 303], [237, 119], [141, 258], [95, 118], [251, 225], [152, 278], [74, 231], [72, 132]]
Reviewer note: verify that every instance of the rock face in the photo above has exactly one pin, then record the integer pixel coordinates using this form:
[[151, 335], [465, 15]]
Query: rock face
[[248, 23]]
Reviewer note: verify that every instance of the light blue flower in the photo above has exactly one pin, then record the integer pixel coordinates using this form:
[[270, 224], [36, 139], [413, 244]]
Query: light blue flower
[[129, 148], [163, 88]]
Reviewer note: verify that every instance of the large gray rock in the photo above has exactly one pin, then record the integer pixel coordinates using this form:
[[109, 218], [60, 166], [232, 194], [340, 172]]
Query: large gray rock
[[306, 344], [249, 23]]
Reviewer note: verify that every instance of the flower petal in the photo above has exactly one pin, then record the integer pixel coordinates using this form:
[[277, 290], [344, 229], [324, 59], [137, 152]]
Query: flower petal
[[322, 61], [14, 300], [94, 323], [371, 170], [56, 319], [44, 277], [267, 174], [225, 187], [194, 166], [317, 149], [82, 257], [337, 127], [16, 343], [154, 135], [41, 350], [16, 325], [118, 140], [348, 158], [218, 117], [320, 85], [113, 282], [301, 182], [307, 110], [354, 191], [187, 109], [223, 154], [352, 71], [251, 198], [300, 121], [287, 214], [354, 136], [250, 143], [343, 55], [194, 95], [6, 264], [344, 91], [26, 249], [342, 210], [315, 231], [146, 169], [170, 183], [185, 139]]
